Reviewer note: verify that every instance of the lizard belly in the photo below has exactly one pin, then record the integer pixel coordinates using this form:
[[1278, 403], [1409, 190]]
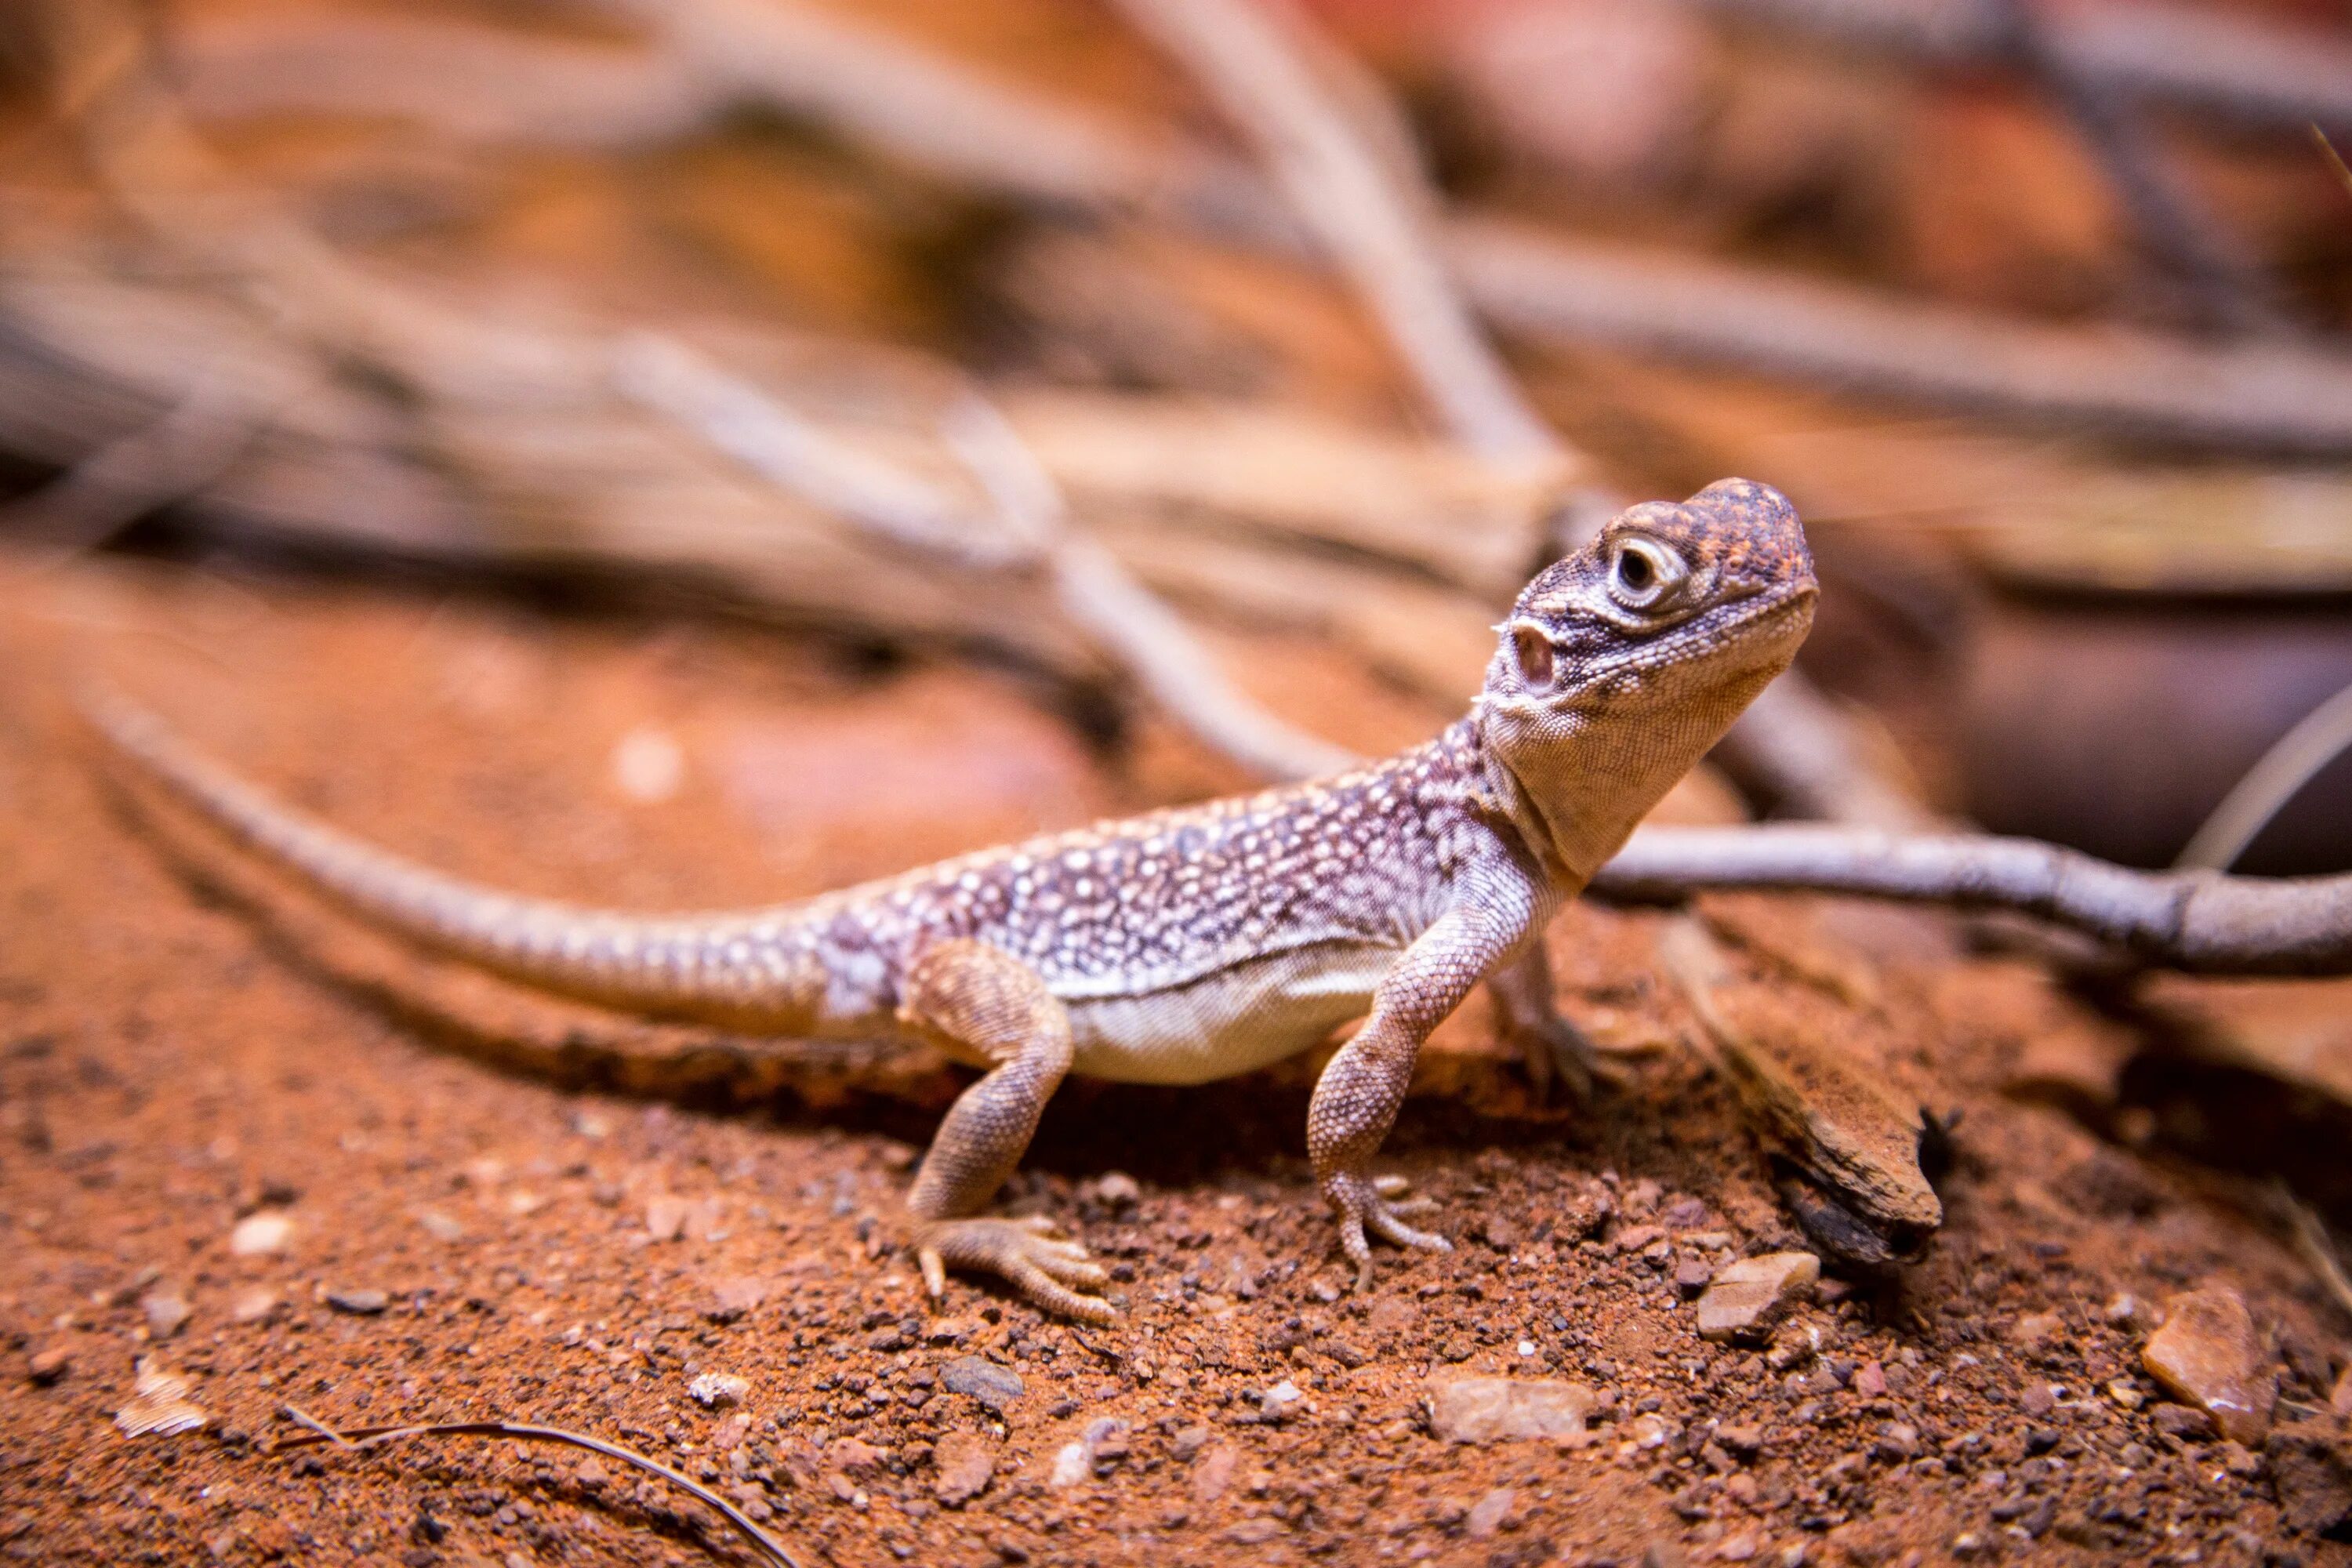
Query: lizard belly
[[1244, 1017]]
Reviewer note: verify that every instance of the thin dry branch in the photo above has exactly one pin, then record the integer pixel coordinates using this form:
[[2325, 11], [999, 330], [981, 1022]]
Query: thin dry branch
[[1260, 65], [2195, 921], [2174, 226], [1546, 285], [2220, 61], [376, 1437]]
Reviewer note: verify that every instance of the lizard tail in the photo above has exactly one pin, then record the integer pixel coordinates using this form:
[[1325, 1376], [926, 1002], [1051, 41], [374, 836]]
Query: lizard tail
[[756, 968]]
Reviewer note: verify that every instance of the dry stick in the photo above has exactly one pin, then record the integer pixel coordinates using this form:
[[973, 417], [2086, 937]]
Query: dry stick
[[2196, 920], [374, 1436], [173, 457], [2216, 61], [2335, 158], [1543, 284], [1255, 62], [2318, 1249], [2278, 775], [2223, 279]]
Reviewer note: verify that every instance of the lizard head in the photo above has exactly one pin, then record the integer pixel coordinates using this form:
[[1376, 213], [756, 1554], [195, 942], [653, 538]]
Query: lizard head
[[1623, 664]]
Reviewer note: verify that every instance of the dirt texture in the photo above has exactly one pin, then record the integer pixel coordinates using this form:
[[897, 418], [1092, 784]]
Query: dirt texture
[[296, 1166]]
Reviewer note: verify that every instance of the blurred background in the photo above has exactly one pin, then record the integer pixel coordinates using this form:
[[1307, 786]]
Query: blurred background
[[2036, 308]]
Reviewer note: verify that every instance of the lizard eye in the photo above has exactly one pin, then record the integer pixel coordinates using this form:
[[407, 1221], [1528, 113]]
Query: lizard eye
[[1644, 573], [1535, 656]]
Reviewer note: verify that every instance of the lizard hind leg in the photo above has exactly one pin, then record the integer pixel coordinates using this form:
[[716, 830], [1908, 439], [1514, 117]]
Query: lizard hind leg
[[976, 999]]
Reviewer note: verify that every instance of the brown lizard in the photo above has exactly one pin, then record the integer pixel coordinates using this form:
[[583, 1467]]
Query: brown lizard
[[1189, 945]]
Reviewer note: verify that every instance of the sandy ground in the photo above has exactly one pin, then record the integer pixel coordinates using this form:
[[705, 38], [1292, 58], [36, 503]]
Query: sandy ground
[[496, 1206]]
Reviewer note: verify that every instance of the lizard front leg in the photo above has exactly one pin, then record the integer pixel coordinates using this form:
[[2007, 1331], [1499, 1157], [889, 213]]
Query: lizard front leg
[[971, 995], [1357, 1098]]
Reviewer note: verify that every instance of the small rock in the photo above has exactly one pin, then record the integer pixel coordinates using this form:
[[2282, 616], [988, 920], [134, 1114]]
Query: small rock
[[965, 1462], [720, 1389], [1652, 1431], [994, 1385], [1633, 1238], [2123, 1310], [2185, 1422], [46, 1366], [358, 1303], [2125, 1393], [1071, 1465], [252, 1306], [1692, 1274], [2208, 1354], [666, 1216], [1117, 1188], [2311, 1468], [1504, 1409], [167, 1311], [1737, 1549], [853, 1456], [1213, 1474], [1487, 1514], [1189, 1443], [439, 1225], [1276, 1402], [2037, 1399], [1748, 1296], [1897, 1441], [1870, 1380], [1501, 1234], [735, 1297], [2034, 1327], [261, 1233], [1746, 1441]]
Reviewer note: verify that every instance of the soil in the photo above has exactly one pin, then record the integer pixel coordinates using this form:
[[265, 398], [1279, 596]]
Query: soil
[[497, 1207]]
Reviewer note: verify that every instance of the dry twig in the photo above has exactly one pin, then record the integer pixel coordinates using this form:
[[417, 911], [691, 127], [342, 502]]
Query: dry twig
[[2195, 921], [1261, 67], [2222, 61], [2318, 1249], [375, 1437], [2173, 225]]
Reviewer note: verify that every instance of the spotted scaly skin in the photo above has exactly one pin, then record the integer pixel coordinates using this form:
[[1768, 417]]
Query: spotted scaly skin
[[1189, 944]]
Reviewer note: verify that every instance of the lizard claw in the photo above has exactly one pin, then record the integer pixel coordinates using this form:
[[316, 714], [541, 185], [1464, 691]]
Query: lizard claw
[[1049, 1270], [1555, 1050], [1362, 1206]]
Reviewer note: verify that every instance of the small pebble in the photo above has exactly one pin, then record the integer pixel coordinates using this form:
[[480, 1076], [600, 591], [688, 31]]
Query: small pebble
[[167, 1311], [359, 1303], [982, 1379], [46, 1366], [1748, 1296], [261, 1233], [718, 1390], [2208, 1354], [964, 1463], [1506, 1409]]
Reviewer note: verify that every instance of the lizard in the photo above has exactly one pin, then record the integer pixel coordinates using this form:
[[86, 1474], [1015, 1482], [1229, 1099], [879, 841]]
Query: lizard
[[1187, 945]]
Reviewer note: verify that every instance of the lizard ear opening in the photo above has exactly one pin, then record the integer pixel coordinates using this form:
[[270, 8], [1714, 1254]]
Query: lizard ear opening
[[1534, 652]]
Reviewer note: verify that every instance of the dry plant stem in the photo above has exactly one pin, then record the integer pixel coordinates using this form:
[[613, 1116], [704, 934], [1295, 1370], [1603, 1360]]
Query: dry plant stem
[[1794, 746], [177, 455], [1552, 287], [1258, 63], [2335, 158], [373, 1437], [2216, 61], [2194, 921], [2319, 1250], [2278, 775], [2173, 227]]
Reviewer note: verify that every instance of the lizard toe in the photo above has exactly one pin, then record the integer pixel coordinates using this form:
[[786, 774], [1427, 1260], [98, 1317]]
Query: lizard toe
[[1044, 1268]]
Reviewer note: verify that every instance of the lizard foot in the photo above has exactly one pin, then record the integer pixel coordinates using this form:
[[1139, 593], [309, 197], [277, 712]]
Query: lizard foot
[[1556, 1051], [1364, 1205], [1024, 1253]]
